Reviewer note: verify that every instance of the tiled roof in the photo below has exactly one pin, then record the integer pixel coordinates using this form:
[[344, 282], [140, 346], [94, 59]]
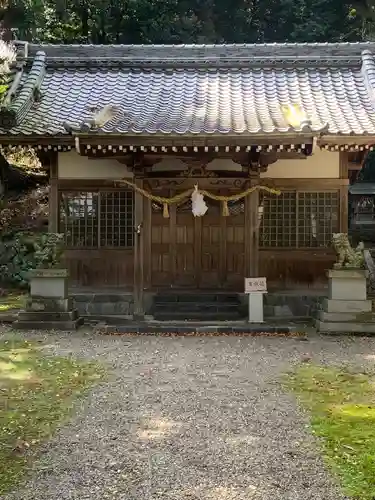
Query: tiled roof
[[201, 89]]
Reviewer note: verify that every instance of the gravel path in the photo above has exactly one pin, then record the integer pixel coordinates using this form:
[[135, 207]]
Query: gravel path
[[189, 419]]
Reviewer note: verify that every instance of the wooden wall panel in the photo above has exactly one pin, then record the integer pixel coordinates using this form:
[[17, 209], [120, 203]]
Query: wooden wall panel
[[185, 254], [210, 245], [160, 250], [98, 268], [235, 241], [296, 268]]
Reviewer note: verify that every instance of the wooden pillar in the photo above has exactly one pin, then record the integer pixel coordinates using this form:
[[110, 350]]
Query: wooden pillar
[[53, 198], [172, 240], [252, 231], [223, 270], [147, 241], [344, 201], [139, 312]]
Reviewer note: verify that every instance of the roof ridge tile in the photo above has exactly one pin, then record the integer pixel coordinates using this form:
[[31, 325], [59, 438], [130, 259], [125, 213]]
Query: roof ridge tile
[[13, 114], [210, 53]]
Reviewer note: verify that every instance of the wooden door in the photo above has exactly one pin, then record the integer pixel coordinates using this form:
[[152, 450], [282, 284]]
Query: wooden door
[[210, 243], [198, 252], [161, 264], [234, 242], [186, 251]]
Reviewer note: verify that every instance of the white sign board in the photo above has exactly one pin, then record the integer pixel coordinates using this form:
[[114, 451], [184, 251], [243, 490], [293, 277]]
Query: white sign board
[[255, 285]]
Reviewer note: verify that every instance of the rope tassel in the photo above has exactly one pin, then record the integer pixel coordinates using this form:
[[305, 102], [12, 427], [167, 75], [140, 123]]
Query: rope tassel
[[224, 208], [165, 211]]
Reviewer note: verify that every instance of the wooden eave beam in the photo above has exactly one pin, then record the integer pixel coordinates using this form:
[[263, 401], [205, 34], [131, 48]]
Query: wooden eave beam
[[191, 141], [346, 140], [195, 140], [158, 141], [34, 140]]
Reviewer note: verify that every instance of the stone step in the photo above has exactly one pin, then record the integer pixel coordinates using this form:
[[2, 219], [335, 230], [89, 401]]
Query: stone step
[[48, 325], [191, 328], [197, 316], [194, 307], [42, 316], [94, 298], [342, 327], [366, 317], [197, 298]]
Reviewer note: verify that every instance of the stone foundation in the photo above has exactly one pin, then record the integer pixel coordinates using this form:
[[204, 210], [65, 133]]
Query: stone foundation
[[48, 307], [117, 305], [347, 309], [99, 304]]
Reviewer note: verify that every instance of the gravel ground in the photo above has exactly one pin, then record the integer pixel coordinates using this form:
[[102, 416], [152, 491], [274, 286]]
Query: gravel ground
[[189, 419]]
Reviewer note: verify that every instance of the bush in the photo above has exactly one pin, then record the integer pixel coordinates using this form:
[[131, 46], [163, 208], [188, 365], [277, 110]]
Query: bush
[[23, 251], [24, 244]]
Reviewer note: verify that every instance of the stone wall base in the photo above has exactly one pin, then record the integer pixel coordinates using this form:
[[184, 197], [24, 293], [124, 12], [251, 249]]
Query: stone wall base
[[347, 309]]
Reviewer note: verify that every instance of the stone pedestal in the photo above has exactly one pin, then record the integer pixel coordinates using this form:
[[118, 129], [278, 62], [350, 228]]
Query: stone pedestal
[[48, 306], [347, 309], [255, 307]]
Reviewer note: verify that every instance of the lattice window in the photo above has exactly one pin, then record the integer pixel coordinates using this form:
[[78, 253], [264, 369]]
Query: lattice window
[[185, 206], [298, 220], [318, 218], [363, 208], [156, 207], [97, 219], [277, 217], [236, 207], [79, 218], [116, 219]]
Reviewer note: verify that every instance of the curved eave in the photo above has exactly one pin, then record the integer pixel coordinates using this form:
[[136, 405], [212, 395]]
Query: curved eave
[[66, 141], [345, 142]]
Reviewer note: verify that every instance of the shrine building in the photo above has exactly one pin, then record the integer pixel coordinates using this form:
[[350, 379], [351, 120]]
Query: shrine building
[[127, 132]]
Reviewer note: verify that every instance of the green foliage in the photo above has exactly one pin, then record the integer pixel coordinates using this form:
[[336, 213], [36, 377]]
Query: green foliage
[[7, 57], [342, 407], [24, 244], [188, 21], [12, 301], [48, 249], [22, 157], [367, 173], [23, 251], [363, 11]]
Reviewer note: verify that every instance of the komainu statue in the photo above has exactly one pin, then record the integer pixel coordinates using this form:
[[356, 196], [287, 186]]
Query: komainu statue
[[347, 257]]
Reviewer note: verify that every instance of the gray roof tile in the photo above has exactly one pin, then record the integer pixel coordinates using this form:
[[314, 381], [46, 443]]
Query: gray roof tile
[[237, 89]]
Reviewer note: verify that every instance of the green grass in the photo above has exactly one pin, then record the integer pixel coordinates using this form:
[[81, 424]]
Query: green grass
[[12, 301], [342, 407], [37, 393]]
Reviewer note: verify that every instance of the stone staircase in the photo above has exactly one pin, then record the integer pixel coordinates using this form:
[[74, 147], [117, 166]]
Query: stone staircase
[[168, 306], [115, 306]]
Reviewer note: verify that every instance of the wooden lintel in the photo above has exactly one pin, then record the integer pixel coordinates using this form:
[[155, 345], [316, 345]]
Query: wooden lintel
[[245, 159], [305, 184]]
